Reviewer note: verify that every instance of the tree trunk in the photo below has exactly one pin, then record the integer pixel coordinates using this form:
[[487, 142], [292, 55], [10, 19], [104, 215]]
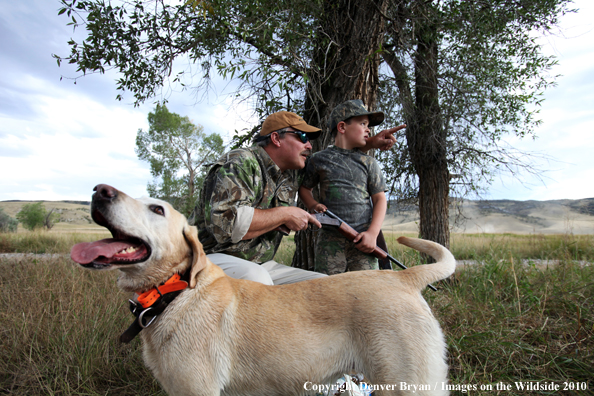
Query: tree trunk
[[346, 67], [427, 144], [425, 134]]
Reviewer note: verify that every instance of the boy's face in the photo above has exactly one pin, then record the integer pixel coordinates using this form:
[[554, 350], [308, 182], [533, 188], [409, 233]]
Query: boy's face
[[356, 131]]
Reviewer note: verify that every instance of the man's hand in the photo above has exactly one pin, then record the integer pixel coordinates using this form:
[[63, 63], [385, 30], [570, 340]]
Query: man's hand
[[297, 219], [383, 140], [365, 242], [292, 217]]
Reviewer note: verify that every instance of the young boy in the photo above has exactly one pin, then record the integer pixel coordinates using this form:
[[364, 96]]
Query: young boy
[[351, 186]]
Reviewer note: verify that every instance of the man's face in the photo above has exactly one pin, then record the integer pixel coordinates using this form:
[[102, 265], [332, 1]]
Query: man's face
[[294, 151]]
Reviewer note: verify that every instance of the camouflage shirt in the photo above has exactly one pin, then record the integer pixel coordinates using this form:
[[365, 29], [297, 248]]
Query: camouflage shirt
[[347, 179], [242, 177]]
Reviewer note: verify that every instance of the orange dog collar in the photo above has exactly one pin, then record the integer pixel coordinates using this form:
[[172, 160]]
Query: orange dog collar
[[173, 284]]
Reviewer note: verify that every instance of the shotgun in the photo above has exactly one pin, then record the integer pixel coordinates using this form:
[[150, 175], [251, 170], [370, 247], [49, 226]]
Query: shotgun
[[329, 218]]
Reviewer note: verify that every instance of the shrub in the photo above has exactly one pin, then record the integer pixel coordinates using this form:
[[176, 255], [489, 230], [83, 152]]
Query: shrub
[[34, 216], [7, 223]]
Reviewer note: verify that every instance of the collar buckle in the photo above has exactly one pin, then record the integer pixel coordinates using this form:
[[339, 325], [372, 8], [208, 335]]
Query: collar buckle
[[141, 318], [152, 303]]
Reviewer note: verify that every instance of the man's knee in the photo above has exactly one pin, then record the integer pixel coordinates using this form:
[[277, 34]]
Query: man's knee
[[257, 274], [241, 269], [283, 274]]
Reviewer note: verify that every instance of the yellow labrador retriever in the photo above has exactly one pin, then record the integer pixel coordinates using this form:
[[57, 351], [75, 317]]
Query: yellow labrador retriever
[[223, 336]]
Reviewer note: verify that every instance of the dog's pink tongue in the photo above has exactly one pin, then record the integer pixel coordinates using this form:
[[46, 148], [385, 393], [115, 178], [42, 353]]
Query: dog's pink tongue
[[86, 252]]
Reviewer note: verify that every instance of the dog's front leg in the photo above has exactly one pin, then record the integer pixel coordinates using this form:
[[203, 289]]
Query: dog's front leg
[[181, 372]]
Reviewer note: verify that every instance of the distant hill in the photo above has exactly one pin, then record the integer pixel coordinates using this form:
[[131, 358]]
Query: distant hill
[[505, 216], [492, 216], [74, 215]]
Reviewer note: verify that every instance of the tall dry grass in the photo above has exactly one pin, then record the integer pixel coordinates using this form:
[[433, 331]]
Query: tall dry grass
[[504, 322], [534, 246], [487, 246], [59, 329], [41, 241]]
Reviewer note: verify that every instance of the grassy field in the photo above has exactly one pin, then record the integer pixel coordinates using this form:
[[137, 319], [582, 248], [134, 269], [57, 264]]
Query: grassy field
[[505, 322], [487, 247], [41, 241]]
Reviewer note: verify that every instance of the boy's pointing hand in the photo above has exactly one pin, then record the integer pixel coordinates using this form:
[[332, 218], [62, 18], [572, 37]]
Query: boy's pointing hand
[[385, 139]]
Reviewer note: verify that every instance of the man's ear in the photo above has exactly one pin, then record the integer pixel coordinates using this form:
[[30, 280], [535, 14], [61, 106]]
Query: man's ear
[[341, 127], [198, 255], [275, 138]]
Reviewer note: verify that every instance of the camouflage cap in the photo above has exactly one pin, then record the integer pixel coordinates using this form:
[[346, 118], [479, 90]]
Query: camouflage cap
[[353, 108], [284, 119]]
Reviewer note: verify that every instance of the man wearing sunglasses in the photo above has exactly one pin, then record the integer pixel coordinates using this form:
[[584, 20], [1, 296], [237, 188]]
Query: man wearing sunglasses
[[249, 192]]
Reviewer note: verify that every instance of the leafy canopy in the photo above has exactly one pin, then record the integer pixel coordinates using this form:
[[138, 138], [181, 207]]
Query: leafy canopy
[[490, 76], [490, 73], [265, 44]]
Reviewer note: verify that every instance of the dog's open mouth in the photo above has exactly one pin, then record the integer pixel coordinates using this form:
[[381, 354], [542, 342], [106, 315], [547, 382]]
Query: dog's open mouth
[[119, 250]]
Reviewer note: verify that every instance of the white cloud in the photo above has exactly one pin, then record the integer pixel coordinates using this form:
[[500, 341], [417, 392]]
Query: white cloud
[[567, 130], [71, 141]]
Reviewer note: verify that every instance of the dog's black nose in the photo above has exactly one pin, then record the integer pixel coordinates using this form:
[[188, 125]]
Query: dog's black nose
[[105, 192]]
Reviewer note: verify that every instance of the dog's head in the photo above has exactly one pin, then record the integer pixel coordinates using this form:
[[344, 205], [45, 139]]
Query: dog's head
[[151, 240]]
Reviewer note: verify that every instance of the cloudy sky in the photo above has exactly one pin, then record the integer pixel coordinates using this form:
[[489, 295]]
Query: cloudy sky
[[59, 139]]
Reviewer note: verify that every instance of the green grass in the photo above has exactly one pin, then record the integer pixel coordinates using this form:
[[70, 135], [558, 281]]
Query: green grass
[[504, 322], [510, 323]]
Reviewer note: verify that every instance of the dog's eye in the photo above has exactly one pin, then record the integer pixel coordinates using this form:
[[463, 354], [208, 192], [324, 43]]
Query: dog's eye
[[158, 209]]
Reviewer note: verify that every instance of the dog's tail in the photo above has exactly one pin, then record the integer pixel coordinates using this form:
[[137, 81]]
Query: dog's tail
[[422, 275]]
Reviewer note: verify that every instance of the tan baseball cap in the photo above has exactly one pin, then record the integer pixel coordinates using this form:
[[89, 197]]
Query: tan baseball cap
[[284, 119]]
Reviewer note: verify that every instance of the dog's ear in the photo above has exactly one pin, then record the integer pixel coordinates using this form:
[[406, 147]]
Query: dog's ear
[[198, 255]]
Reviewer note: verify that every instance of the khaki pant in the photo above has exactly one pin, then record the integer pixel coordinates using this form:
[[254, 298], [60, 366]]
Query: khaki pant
[[268, 273]]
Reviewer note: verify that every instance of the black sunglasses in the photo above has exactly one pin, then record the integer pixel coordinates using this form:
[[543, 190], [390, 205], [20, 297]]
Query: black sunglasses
[[302, 135]]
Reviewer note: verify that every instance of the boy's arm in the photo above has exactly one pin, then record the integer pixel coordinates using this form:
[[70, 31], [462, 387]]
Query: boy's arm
[[383, 140], [367, 240], [308, 200]]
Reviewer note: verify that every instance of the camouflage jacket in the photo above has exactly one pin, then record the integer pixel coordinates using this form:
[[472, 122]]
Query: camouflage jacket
[[242, 177], [347, 179]]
